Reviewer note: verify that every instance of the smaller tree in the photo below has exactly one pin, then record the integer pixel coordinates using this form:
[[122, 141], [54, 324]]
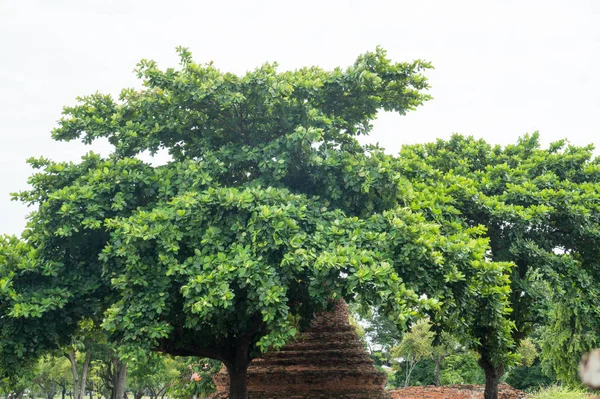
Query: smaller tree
[[152, 374], [51, 374], [195, 378], [461, 367], [110, 373], [446, 345], [416, 345], [530, 373], [79, 363], [380, 330], [527, 351], [14, 387]]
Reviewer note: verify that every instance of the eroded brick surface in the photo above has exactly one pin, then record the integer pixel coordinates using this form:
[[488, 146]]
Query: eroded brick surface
[[455, 392], [327, 362]]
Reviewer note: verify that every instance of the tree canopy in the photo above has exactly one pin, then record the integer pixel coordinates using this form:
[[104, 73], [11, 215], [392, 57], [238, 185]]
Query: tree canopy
[[540, 209], [267, 210]]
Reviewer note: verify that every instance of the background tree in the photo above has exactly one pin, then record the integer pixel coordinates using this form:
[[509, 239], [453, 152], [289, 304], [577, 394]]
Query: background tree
[[14, 387], [528, 352], [461, 367], [380, 330], [111, 371], [195, 378], [540, 211], [530, 374], [416, 345], [86, 340], [444, 345], [53, 373], [153, 375]]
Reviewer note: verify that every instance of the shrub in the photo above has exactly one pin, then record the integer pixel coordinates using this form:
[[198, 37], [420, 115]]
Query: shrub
[[529, 378]]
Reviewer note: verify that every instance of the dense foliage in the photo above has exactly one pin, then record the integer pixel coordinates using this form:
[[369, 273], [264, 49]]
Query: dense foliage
[[541, 211], [268, 209]]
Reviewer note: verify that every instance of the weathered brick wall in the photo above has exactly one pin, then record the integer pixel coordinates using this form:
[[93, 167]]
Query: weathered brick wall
[[455, 392]]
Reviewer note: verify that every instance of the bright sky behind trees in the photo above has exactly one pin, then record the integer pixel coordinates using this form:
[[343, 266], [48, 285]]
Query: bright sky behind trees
[[503, 68]]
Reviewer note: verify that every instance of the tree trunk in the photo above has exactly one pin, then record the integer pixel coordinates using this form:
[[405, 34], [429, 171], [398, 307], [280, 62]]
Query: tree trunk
[[120, 373], [492, 377], [72, 358], [238, 370], [238, 388], [53, 391], [409, 369], [437, 372], [84, 371], [16, 394], [63, 392], [50, 395], [138, 394]]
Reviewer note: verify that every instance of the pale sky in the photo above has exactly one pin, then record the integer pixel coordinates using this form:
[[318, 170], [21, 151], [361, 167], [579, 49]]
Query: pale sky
[[502, 67]]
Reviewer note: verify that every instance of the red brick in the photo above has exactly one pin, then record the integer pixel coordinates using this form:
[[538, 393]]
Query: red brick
[[326, 362], [454, 392]]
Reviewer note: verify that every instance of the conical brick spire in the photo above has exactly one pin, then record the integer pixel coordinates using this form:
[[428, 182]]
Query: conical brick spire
[[327, 361]]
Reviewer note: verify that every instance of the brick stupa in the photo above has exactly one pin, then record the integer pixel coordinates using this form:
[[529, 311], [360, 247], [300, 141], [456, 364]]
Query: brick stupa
[[328, 361]]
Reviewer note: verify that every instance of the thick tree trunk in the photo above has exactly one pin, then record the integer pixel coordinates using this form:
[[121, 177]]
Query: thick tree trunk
[[120, 373], [492, 377], [238, 387], [437, 372], [238, 370], [138, 394]]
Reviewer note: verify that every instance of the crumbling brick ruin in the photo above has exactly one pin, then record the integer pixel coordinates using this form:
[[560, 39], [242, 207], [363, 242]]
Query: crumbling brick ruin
[[327, 361]]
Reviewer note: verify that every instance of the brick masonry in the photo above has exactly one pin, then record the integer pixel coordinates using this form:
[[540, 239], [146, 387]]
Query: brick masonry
[[328, 361]]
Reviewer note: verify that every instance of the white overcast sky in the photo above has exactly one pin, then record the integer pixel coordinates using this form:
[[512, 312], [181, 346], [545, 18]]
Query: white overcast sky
[[502, 67]]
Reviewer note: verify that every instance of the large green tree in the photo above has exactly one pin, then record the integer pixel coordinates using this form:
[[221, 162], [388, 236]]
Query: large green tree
[[267, 210], [541, 211]]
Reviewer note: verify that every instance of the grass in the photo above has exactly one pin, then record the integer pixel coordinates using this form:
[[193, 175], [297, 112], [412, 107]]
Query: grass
[[559, 392]]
